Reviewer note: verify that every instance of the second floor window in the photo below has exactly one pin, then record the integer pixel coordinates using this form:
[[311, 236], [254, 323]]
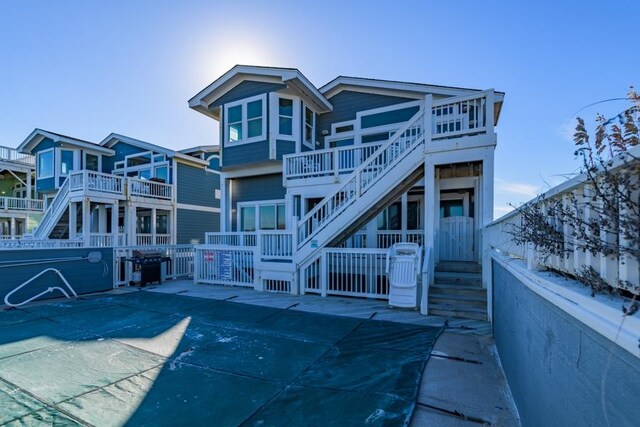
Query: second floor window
[[245, 120], [45, 164], [285, 115], [66, 162], [309, 126]]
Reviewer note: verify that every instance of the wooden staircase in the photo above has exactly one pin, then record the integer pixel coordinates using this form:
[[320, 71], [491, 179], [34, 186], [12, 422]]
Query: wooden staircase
[[458, 292]]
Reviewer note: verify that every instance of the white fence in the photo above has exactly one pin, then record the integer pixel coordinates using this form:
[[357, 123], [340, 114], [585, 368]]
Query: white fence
[[39, 243], [86, 180], [151, 189], [499, 235], [231, 239], [224, 265], [181, 265], [19, 204], [347, 272], [106, 240], [13, 155]]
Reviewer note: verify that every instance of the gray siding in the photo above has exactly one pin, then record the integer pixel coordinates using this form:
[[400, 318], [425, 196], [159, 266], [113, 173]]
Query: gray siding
[[246, 89], [388, 117], [191, 225], [196, 186], [255, 152], [122, 149], [284, 147], [83, 276], [255, 188], [347, 103], [561, 372]]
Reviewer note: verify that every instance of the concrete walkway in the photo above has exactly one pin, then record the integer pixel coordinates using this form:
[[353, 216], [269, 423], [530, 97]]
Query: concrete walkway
[[463, 383]]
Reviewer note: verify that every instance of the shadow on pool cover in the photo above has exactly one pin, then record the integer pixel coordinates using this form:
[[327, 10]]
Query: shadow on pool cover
[[154, 359]]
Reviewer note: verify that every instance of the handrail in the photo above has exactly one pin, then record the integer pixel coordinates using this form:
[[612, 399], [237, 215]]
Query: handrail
[[21, 204], [13, 155], [63, 191], [381, 160], [46, 291]]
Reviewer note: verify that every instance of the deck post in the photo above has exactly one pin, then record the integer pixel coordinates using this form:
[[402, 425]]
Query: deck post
[[430, 217]]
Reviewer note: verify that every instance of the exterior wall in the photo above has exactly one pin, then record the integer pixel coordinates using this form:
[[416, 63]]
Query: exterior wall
[[45, 185], [196, 186], [255, 188], [122, 149], [284, 147], [191, 225], [560, 371], [347, 103], [83, 276], [247, 89], [244, 154], [388, 117]]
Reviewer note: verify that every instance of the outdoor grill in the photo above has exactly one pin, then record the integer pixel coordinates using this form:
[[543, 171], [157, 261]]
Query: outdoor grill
[[147, 266]]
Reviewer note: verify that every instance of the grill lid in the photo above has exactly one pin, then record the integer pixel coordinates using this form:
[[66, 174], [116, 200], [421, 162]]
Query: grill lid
[[146, 254]]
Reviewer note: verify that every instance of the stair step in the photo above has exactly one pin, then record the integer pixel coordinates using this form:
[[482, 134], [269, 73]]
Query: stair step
[[459, 266], [447, 310], [459, 301], [458, 290], [471, 279]]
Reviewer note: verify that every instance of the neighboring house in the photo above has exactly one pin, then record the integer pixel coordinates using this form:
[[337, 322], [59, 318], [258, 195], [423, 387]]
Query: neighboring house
[[348, 164], [122, 191], [20, 206]]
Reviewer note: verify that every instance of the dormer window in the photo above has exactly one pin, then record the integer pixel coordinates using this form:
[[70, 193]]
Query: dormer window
[[309, 127], [245, 120], [45, 163]]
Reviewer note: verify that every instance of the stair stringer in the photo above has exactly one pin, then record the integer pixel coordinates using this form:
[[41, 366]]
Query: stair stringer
[[367, 206]]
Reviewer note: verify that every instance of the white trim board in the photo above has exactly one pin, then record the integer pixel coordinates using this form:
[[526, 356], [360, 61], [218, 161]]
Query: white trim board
[[197, 208]]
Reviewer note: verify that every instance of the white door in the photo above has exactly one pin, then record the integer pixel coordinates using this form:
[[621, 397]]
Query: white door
[[456, 228]]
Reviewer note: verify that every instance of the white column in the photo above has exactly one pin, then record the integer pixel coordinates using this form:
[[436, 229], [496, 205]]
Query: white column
[[153, 226], [13, 228], [225, 203], [102, 218], [73, 220], [86, 220], [114, 222], [487, 189], [130, 224], [29, 192], [372, 233], [403, 215], [429, 231]]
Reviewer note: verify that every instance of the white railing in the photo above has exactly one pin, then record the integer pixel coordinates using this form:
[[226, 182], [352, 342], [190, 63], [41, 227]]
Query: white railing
[[224, 265], [231, 239], [180, 266], [12, 155], [146, 239], [387, 238], [499, 235], [86, 180], [106, 240], [39, 243], [362, 179], [347, 159], [276, 244], [152, 189], [18, 204], [309, 164], [347, 272], [454, 117], [53, 212]]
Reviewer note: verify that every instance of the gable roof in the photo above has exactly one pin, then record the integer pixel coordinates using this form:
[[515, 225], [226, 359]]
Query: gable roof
[[38, 135], [292, 77], [113, 138]]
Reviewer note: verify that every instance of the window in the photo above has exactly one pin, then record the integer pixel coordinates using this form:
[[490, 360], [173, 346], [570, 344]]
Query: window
[[66, 161], [245, 120], [144, 174], [45, 164], [91, 162], [285, 114], [449, 208], [268, 217], [162, 173], [248, 218], [309, 126], [391, 218], [162, 221]]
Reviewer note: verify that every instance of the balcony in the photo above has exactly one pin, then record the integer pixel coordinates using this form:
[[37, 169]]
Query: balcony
[[117, 187], [8, 154], [16, 204]]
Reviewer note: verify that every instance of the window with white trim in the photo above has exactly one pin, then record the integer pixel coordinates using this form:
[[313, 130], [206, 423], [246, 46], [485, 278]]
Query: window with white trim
[[66, 161], [262, 216], [45, 164], [245, 120], [309, 127], [285, 116]]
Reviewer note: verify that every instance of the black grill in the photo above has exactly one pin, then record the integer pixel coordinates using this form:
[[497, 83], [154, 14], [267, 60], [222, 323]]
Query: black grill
[[149, 266]]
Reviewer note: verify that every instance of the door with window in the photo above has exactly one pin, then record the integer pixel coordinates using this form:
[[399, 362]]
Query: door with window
[[456, 226]]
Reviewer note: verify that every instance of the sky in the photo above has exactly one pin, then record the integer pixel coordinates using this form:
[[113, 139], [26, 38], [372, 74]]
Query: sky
[[89, 68]]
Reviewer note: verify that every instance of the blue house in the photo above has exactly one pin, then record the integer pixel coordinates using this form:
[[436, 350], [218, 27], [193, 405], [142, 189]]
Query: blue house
[[318, 182], [123, 191]]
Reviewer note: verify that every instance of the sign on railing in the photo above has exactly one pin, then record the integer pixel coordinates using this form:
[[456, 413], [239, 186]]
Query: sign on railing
[[224, 265]]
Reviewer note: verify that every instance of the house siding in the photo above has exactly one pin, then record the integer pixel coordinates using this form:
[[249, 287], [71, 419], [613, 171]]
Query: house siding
[[388, 117], [192, 225], [548, 355], [121, 149], [347, 103], [244, 154], [196, 186], [284, 147], [246, 89], [255, 188]]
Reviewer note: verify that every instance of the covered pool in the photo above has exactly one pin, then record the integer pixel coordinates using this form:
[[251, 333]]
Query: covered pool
[[154, 359]]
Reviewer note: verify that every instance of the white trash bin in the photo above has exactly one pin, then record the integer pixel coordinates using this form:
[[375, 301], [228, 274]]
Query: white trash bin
[[403, 267]]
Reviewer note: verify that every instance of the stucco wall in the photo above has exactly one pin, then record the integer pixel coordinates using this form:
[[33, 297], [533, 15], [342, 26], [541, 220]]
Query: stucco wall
[[560, 371]]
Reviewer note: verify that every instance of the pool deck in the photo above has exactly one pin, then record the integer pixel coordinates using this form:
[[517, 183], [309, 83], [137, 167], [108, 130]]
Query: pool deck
[[463, 382]]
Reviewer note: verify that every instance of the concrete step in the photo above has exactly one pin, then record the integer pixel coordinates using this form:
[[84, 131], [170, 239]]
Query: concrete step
[[459, 266], [460, 301], [449, 310]]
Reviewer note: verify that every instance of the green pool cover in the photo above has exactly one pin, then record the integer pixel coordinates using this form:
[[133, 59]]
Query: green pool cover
[[145, 358]]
